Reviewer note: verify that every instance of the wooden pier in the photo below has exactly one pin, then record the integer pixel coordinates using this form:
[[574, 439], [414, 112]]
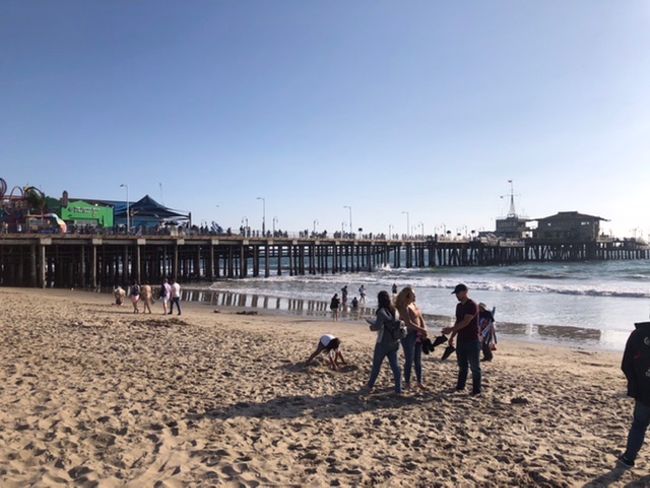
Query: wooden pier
[[87, 261]]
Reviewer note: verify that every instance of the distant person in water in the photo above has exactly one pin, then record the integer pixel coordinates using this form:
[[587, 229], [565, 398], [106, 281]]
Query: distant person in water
[[487, 331], [176, 297], [134, 293], [119, 294], [417, 332], [165, 295], [394, 288], [362, 293], [636, 367], [332, 346], [355, 303], [147, 298], [344, 295], [335, 304], [468, 347]]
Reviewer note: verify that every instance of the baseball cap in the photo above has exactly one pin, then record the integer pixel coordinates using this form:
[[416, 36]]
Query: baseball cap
[[459, 287]]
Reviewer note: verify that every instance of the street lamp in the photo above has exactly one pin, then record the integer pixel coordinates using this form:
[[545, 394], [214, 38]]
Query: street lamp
[[350, 210], [390, 232], [408, 222], [275, 221], [316, 222], [263, 214], [128, 209], [421, 224], [342, 229]]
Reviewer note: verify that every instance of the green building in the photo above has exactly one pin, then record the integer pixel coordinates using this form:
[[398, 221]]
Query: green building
[[81, 213]]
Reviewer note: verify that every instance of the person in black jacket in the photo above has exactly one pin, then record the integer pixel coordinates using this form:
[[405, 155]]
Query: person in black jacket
[[636, 366]]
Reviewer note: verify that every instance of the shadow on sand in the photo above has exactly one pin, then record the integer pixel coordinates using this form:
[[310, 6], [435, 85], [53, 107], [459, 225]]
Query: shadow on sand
[[614, 476]]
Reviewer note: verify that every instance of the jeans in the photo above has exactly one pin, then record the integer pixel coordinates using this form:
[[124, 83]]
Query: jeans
[[468, 354], [177, 301], [412, 353], [378, 358], [637, 431]]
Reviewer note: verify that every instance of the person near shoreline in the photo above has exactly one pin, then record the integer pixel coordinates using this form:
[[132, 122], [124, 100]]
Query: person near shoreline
[[355, 303], [394, 289], [332, 346], [335, 305], [417, 332], [468, 346], [119, 294], [134, 294], [487, 331], [147, 298], [389, 331], [165, 295], [175, 298], [636, 367], [344, 295], [362, 294]]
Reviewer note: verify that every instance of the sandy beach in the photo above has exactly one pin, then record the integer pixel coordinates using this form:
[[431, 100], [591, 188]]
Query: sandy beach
[[93, 395]]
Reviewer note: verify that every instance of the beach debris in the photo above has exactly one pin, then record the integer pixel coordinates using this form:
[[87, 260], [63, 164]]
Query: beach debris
[[247, 312], [519, 401], [216, 311]]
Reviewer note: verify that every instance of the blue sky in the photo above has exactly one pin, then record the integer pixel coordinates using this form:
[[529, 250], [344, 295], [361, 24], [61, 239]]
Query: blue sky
[[428, 107]]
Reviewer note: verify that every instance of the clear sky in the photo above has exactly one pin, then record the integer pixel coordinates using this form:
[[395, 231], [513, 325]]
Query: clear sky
[[387, 106]]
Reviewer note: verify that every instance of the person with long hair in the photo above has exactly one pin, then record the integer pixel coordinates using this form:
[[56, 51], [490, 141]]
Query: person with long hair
[[417, 332], [386, 345]]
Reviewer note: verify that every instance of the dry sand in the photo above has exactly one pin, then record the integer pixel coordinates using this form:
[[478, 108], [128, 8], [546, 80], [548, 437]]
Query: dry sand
[[92, 395]]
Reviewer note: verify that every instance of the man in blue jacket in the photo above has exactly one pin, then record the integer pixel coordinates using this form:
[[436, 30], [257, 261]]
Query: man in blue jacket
[[636, 366]]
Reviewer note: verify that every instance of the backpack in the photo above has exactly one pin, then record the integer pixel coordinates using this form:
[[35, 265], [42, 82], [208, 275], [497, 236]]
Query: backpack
[[394, 331]]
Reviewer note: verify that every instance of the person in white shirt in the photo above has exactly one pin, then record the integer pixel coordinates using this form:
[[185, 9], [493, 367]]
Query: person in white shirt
[[176, 297], [165, 295], [332, 345]]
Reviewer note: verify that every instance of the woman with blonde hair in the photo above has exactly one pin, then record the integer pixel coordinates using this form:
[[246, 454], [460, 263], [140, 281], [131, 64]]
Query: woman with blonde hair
[[417, 332]]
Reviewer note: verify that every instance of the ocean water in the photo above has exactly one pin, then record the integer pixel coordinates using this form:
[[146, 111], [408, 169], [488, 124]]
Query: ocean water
[[594, 304]]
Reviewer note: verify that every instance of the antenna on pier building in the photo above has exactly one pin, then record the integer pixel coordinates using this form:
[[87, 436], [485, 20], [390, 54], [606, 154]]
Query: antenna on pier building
[[511, 211]]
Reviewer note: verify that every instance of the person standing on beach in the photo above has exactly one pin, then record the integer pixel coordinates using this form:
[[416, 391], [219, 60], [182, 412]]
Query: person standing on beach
[[362, 294], [335, 304], [147, 298], [387, 344], [417, 332], [636, 367], [165, 294], [176, 297], [134, 293], [344, 295], [468, 343], [394, 289]]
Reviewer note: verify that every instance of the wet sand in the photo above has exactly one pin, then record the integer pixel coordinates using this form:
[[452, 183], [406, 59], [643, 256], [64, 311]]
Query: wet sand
[[93, 395]]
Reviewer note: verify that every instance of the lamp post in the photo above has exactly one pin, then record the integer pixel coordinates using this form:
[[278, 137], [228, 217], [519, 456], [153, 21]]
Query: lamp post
[[275, 221], [316, 222], [263, 214], [342, 229], [350, 210], [128, 209], [408, 223], [421, 224], [390, 231]]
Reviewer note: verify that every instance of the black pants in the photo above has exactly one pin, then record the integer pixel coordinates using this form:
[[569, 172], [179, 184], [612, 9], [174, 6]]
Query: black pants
[[487, 352], [177, 301]]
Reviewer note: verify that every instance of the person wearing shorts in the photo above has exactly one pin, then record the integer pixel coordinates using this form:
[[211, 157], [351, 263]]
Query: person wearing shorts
[[332, 346]]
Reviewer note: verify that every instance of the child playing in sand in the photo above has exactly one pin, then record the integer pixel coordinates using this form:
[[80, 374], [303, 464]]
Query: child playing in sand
[[332, 345]]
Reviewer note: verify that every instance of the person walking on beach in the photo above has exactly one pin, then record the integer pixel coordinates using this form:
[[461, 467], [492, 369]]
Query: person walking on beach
[[335, 304], [417, 332], [468, 344], [165, 295], [147, 298], [176, 297], [344, 295], [332, 346], [636, 367], [134, 293], [362, 294], [487, 332], [389, 332]]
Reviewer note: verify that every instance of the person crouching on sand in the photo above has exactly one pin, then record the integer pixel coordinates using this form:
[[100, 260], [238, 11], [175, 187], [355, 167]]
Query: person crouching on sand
[[387, 345], [417, 332], [332, 346], [335, 304], [134, 293], [636, 366], [119, 294], [468, 346]]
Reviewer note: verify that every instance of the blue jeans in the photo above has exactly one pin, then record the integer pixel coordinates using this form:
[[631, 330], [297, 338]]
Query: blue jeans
[[637, 431], [412, 353], [468, 354], [378, 358]]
